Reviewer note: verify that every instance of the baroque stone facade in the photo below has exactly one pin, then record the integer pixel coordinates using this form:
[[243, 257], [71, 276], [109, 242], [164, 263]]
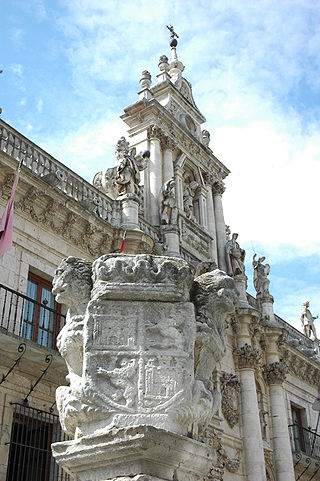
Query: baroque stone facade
[[163, 366]]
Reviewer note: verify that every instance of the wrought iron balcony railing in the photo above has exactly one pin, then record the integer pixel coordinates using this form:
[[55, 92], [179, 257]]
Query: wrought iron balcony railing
[[29, 319], [304, 440]]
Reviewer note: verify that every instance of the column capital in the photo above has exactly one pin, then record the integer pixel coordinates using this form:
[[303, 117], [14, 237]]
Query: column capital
[[167, 143], [248, 356], [275, 372], [218, 187], [154, 132]]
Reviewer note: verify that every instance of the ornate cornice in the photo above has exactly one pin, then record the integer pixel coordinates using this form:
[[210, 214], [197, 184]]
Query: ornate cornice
[[301, 367], [247, 356], [275, 372]]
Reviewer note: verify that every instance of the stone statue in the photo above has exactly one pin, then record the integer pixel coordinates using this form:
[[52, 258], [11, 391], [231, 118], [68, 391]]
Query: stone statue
[[206, 138], [128, 169], [235, 257], [215, 296], [260, 276], [307, 321], [189, 191], [168, 207], [72, 285], [124, 178]]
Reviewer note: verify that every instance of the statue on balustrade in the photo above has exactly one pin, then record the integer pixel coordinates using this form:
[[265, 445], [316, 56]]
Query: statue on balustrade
[[260, 276], [169, 211], [128, 169], [307, 321], [124, 178], [189, 192], [235, 257]]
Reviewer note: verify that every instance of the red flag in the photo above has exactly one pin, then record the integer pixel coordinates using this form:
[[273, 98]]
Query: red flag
[[123, 242], [6, 222]]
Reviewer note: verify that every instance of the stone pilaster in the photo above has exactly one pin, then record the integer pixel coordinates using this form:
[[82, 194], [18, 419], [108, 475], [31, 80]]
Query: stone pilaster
[[218, 189], [203, 207], [178, 171], [275, 372], [155, 174], [168, 147], [212, 223]]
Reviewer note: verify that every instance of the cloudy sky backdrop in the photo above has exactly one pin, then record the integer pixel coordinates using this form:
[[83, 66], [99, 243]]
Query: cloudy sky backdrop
[[70, 67]]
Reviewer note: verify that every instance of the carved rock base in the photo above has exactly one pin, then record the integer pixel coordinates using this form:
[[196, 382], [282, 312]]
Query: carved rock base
[[133, 451]]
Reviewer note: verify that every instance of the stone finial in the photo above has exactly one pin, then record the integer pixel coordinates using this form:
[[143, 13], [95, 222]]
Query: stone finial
[[307, 321], [145, 81], [163, 63]]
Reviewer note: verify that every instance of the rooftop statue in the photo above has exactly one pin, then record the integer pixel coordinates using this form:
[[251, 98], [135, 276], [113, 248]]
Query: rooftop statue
[[260, 276], [235, 257], [307, 321]]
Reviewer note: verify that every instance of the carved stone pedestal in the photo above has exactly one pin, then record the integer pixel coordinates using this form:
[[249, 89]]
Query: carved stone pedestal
[[241, 285], [138, 400], [134, 451], [171, 238], [129, 211]]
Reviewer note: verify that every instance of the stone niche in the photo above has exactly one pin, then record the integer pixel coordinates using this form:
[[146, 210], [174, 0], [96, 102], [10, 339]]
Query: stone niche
[[137, 401]]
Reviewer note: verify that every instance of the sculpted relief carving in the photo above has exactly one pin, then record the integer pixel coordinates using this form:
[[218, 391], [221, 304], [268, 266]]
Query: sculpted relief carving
[[215, 298], [169, 211], [230, 390], [129, 342]]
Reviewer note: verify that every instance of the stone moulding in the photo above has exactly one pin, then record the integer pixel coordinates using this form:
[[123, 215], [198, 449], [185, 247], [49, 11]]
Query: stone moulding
[[141, 449], [143, 277]]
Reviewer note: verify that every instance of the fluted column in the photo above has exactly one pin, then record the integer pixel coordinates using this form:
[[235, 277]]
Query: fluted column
[[275, 373], [203, 207], [248, 358], [212, 223], [218, 189], [168, 170], [155, 175]]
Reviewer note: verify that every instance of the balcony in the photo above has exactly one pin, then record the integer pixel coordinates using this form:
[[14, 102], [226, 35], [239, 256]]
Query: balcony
[[304, 441], [28, 319]]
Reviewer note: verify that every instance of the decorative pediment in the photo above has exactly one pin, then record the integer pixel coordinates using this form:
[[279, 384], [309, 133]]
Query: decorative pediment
[[186, 91]]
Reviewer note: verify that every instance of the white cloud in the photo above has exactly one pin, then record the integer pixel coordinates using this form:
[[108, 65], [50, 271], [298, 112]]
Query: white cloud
[[17, 69], [39, 105], [22, 102]]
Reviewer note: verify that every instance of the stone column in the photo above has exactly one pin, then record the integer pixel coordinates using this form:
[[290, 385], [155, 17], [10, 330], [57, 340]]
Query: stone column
[[275, 373], [248, 359], [155, 173], [218, 189], [212, 224]]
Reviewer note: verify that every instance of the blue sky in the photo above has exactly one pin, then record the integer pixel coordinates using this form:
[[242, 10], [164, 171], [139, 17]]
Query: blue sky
[[70, 67]]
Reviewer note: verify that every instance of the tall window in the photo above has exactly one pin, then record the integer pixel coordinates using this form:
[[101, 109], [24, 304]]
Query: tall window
[[298, 431], [41, 312]]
